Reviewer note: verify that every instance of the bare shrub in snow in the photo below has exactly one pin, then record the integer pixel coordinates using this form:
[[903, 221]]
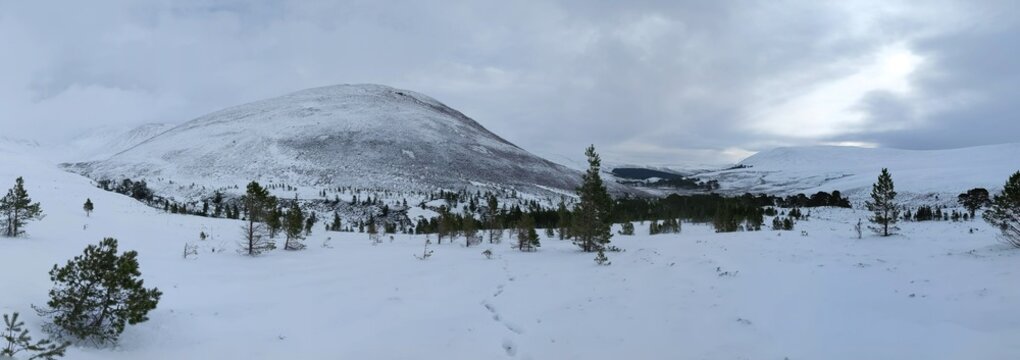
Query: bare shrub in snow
[[190, 250], [425, 254]]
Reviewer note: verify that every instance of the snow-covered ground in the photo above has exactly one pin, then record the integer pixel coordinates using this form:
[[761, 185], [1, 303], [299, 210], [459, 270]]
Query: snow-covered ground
[[936, 291]]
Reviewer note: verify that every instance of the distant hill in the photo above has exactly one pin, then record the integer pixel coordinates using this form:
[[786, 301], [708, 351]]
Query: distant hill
[[365, 136], [918, 174]]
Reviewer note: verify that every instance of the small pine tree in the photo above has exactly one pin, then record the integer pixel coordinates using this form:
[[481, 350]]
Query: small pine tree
[[17, 209], [492, 218], [444, 225], [310, 222], [601, 258], [470, 230], [1005, 211], [97, 293], [564, 221], [293, 227], [373, 232], [627, 229], [527, 238], [883, 205], [18, 341], [274, 222], [337, 224], [88, 207]]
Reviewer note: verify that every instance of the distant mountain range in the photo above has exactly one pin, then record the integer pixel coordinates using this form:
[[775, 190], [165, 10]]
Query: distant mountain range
[[925, 175], [381, 138]]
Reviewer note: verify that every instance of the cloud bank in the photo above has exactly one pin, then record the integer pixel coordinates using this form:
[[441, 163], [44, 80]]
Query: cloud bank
[[660, 82]]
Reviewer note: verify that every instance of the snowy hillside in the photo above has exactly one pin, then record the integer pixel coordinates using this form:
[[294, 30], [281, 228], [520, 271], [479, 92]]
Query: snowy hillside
[[103, 142], [365, 136], [852, 170], [939, 291]]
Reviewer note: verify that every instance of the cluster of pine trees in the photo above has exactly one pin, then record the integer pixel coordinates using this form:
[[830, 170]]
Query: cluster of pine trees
[[819, 199], [266, 218], [138, 190], [934, 213], [668, 226]]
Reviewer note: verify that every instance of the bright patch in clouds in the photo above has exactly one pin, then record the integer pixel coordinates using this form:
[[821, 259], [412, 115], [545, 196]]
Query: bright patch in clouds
[[831, 108]]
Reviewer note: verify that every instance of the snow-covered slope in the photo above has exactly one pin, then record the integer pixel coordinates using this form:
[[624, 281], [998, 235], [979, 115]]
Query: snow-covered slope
[[366, 136], [103, 142], [852, 170], [938, 291]]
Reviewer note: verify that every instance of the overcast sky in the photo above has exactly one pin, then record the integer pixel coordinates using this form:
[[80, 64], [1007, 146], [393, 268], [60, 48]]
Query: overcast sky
[[659, 82]]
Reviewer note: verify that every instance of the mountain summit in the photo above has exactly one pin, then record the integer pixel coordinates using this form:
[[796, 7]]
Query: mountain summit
[[366, 136]]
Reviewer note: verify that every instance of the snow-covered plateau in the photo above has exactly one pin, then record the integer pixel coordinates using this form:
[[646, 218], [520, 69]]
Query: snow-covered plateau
[[937, 290]]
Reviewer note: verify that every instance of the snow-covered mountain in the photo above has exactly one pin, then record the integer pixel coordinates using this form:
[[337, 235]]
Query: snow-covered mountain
[[103, 142], [852, 170], [366, 136]]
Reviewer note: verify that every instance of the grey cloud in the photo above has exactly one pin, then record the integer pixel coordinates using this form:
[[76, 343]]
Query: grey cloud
[[648, 81]]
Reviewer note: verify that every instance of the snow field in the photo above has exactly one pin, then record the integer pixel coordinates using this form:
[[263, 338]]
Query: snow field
[[936, 291]]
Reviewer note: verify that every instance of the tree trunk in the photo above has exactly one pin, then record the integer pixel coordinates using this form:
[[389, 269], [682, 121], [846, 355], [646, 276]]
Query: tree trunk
[[251, 237]]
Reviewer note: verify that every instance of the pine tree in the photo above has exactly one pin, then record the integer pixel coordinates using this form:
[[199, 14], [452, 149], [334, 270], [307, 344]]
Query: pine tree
[[373, 231], [17, 209], [883, 205], [492, 218], [591, 220], [274, 221], [1005, 211], [97, 293], [88, 207], [337, 224], [470, 230], [527, 237], [310, 222], [445, 225], [257, 204], [563, 221], [18, 341], [974, 199], [293, 227]]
